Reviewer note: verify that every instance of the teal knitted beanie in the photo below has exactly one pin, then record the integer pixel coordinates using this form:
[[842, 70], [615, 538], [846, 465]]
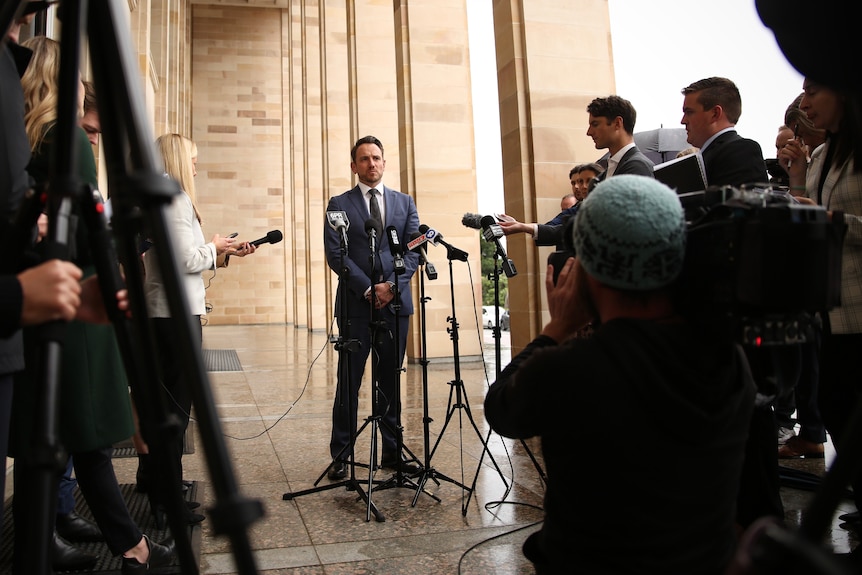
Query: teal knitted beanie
[[630, 233]]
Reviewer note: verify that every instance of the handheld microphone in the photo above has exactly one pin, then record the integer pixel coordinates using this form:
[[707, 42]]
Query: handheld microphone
[[492, 233], [436, 237], [416, 244], [473, 221], [272, 237], [397, 250]]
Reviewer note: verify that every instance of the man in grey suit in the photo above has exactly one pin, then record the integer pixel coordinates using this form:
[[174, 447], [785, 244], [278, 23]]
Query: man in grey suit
[[365, 306]]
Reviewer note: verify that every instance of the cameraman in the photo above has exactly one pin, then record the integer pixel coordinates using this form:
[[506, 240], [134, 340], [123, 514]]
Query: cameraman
[[666, 503]]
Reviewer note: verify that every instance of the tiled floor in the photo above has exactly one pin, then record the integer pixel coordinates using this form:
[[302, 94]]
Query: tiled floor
[[275, 415]]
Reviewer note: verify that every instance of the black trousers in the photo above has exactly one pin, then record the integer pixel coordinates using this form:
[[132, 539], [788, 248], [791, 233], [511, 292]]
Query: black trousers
[[98, 483], [174, 377], [840, 390], [387, 358]]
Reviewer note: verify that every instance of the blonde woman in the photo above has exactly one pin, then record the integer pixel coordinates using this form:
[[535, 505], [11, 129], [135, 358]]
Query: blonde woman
[[93, 402], [194, 255]]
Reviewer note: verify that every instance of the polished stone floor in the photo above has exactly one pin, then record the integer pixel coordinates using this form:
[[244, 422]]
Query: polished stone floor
[[275, 417]]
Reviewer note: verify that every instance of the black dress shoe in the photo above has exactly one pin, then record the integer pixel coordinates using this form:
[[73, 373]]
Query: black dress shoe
[[73, 527], [390, 461], [160, 556], [66, 557], [337, 470]]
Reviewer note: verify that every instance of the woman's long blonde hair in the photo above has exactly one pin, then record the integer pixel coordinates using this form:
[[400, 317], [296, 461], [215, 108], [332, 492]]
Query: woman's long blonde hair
[[41, 89], [177, 152]]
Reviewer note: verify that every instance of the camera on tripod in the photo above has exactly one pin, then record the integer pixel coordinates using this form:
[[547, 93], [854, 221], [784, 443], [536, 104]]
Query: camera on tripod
[[758, 265]]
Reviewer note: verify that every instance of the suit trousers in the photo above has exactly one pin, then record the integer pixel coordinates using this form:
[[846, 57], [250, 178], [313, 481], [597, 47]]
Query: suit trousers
[[386, 360]]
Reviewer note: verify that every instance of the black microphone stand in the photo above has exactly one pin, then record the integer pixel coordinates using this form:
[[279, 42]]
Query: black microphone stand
[[346, 346], [456, 390]]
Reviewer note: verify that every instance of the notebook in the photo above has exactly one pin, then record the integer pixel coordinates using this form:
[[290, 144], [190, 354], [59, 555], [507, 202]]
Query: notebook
[[684, 174]]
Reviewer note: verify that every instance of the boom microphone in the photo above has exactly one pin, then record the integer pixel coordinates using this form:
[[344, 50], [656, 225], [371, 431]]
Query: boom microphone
[[436, 237], [396, 249], [417, 244], [492, 233], [272, 237], [473, 221]]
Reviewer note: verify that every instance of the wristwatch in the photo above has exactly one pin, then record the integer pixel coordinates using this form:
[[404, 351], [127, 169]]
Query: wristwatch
[[391, 287]]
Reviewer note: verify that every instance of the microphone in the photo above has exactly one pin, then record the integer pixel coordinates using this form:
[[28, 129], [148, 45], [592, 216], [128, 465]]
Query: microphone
[[397, 250], [371, 227], [416, 244], [272, 237], [436, 237], [338, 221], [492, 233], [472, 221]]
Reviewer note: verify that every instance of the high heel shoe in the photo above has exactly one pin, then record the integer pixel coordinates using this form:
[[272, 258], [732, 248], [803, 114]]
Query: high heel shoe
[[160, 556]]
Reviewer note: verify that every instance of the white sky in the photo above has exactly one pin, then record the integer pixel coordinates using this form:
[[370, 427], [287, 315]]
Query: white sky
[[660, 46]]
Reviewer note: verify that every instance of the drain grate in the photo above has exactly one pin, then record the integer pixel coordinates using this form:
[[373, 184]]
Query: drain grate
[[222, 360]]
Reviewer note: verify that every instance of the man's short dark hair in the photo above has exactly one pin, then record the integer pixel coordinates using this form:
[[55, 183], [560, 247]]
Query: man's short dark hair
[[575, 170], [712, 92], [613, 107], [89, 97], [364, 140], [593, 167]]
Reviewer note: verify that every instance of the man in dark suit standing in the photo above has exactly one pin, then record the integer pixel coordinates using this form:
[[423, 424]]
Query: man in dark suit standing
[[612, 127], [365, 305], [711, 109]]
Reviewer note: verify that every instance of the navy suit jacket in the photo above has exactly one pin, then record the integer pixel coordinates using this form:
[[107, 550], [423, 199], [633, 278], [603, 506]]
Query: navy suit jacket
[[731, 160], [400, 212]]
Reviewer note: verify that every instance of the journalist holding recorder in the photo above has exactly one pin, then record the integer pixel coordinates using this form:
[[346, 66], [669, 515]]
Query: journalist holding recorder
[[664, 504]]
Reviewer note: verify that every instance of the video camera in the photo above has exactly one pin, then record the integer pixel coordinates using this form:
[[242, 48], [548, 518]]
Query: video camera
[[758, 265]]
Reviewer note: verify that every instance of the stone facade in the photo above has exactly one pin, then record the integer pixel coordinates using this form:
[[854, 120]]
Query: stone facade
[[274, 92]]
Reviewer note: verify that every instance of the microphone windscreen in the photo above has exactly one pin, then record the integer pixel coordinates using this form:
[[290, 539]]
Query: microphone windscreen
[[274, 236], [371, 224], [488, 221], [423, 228], [472, 221]]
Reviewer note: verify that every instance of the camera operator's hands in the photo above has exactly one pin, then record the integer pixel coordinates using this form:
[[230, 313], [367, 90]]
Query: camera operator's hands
[[569, 307]]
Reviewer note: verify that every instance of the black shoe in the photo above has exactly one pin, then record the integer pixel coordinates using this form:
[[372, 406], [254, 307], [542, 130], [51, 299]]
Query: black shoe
[[337, 470], [73, 527], [192, 504], [66, 557], [852, 517], [409, 467], [160, 514], [161, 555]]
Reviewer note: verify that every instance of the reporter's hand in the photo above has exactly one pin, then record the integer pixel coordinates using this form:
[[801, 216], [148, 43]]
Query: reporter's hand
[[244, 249], [92, 309], [794, 154], [565, 303], [510, 225], [222, 244], [51, 292]]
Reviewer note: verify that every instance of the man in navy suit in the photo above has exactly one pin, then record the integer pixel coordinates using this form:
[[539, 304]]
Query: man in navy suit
[[366, 303], [710, 112]]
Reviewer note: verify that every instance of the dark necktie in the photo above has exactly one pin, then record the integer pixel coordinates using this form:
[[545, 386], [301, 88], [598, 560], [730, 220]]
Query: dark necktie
[[374, 208]]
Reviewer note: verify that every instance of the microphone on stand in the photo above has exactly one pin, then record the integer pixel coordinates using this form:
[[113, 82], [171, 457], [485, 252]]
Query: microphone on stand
[[338, 221], [416, 244], [492, 232], [396, 249], [436, 237], [371, 227]]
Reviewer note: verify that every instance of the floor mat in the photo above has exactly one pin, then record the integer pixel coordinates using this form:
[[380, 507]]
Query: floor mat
[[108, 565], [221, 360]]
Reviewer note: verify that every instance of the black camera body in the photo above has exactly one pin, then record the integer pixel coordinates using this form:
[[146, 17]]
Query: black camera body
[[757, 265]]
